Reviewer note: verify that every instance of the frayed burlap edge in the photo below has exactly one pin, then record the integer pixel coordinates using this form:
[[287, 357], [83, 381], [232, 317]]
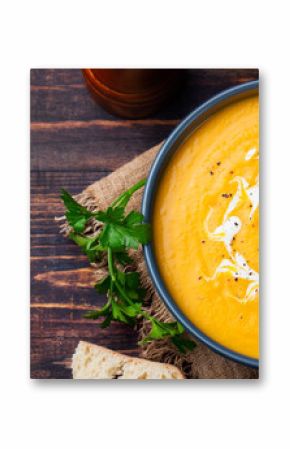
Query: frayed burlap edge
[[201, 363]]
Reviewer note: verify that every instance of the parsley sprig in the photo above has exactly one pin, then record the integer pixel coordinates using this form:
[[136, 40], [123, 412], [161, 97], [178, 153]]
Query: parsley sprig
[[119, 232]]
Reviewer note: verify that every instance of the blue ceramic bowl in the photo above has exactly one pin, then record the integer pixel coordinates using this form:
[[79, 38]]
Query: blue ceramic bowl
[[176, 138]]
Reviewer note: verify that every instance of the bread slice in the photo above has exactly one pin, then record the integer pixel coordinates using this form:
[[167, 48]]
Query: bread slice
[[95, 362]]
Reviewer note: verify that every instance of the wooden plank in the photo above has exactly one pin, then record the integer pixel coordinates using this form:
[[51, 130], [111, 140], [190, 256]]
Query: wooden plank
[[92, 148], [86, 137], [59, 95], [50, 182], [51, 78], [60, 283], [56, 363]]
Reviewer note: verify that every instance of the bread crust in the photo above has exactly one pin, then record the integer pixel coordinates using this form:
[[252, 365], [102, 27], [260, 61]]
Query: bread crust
[[91, 361]]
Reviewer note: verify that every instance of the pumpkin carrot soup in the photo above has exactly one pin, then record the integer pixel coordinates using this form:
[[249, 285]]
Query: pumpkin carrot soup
[[206, 223]]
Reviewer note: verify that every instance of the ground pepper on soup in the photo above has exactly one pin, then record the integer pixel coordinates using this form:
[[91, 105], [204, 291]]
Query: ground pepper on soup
[[206, 227]]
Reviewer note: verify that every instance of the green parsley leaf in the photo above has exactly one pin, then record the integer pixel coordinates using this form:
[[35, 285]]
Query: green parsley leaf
[[119, 233], [103, 285], [111, 215], [132, 279], [120, 237], [90, 245], [161, 330], [131, 283], [133, 218], [76, 215], [123, 258], [107, 321], [123, 313], [97, 313], [183, 344]]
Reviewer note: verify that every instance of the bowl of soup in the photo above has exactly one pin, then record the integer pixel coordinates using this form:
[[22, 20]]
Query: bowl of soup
[[202, 200]]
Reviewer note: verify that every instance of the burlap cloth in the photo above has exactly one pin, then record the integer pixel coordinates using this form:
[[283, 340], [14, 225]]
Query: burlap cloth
[[201, 362]]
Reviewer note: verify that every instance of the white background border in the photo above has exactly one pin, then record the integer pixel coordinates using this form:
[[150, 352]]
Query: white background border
[[203, 414]]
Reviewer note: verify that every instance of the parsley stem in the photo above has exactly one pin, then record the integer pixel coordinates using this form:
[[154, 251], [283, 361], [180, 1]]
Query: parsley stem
[[111, 265], [123, 293], [146, 315], [129, 192], [136, 186]]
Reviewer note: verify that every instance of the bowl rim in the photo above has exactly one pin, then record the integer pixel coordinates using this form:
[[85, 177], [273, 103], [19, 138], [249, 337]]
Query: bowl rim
[[182, 131]]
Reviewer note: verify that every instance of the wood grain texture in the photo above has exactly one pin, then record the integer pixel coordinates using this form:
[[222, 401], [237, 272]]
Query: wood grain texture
[[73, 143]]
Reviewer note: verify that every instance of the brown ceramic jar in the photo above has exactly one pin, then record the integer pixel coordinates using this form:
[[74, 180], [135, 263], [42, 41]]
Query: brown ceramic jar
[[132, 93]]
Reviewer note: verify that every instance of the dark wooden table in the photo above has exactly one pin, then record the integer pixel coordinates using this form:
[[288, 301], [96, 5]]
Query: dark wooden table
[[73, 143]]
